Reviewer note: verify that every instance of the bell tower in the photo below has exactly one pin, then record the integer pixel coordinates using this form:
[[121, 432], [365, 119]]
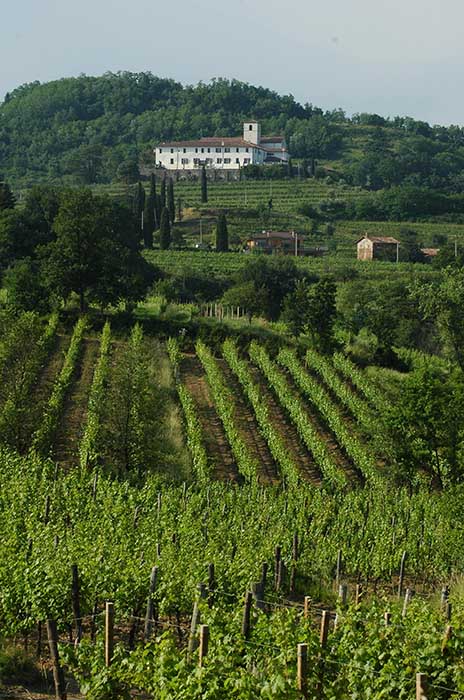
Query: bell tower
[[252, 132]]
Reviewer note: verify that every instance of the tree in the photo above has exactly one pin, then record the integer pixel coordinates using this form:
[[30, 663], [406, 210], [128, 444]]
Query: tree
[[442, 303], [222, 236], [277, 276], [7, 198], [249, 297], [311, 309], [154, 197], [165, 230], [163, 194], [139, 205], [426, 425], [95, 252], [128, 171], [289, 168], [148, 221], [24, 287], [204, 186], [170, 204]]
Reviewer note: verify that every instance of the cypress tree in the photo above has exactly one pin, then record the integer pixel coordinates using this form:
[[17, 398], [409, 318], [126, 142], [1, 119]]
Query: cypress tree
[[170, 201], [222, 235], [153, 198], [289, 168], [204, 186], [139, 204], [158, 210], [148, 221], [7, 198], [165, 230], [163, 193]]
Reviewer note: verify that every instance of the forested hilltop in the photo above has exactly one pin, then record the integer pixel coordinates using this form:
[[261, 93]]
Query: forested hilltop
[[101, 129]]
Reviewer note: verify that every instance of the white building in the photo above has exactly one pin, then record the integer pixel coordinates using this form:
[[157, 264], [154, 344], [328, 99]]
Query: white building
[[223, 153]]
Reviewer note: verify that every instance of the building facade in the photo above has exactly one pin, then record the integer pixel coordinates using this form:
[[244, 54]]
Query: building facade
[[222, 153], [378, 248]]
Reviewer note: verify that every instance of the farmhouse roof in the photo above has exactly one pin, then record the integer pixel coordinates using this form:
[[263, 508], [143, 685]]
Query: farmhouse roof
[[431, 252], [387, 240], [212, 142]]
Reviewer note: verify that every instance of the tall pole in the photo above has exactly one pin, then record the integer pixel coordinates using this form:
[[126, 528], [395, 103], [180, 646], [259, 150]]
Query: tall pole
[[201, 231], [296, 243], [455, 246], [397, 252]]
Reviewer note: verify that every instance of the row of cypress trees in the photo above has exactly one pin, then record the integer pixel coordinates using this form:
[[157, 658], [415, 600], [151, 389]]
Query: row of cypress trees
[[155, 211], [158, 212]]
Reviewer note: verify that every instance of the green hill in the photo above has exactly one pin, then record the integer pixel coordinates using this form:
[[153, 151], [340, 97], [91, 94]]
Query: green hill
[[91, 130]]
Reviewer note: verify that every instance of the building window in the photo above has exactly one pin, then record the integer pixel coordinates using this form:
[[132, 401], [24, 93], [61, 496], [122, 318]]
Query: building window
[[218, 160], [246, 149], [172, 150], [185, 150], [202, 150], [196, 161], [227, 150], [209, 161], [246, 161], [185, 161], [226, 160], [218, 150], [161, 150], [172, 161], [238, 150], [209, 150], [250, 128], [196, 150], [237, 160]]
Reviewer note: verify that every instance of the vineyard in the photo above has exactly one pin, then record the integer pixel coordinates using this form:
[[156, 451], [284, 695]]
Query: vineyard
[[236, 509]]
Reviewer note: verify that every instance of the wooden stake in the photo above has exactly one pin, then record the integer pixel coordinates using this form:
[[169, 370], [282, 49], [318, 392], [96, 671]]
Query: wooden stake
[[75, 596], [444, 596], [264, 569], [448, 609], [149, 615], [193, 628], [109, 632], [342, 593], [358, 594], [204, 639], [307, 606], [387, 618], [421, 686], [401, 577], [58, 675], [246, 615], [258, 596], [446, 638], [407, 600], [302, 669], [324, 628]]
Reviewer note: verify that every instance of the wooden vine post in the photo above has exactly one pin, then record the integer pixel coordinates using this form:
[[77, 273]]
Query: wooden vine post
[[109, 632], [421, 686], [58, 675], [204, 640], [149, 615], [302, 669], [307, 606], [401, 577], [246, 615]]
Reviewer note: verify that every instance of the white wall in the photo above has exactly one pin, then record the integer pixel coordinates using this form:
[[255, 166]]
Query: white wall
[[164, 156]]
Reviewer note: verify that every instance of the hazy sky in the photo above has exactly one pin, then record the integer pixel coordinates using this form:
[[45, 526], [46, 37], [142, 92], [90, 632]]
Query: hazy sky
[[397, 57]]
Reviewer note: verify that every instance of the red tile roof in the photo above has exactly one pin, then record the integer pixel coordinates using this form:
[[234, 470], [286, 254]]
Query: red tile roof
[[211, 142], [379, 239]]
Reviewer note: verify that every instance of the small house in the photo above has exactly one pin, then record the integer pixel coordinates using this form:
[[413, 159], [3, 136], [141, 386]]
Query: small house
[[378, 248], [289, 242], [430, 253]]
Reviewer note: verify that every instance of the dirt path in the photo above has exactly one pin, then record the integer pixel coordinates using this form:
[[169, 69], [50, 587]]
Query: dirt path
[[249, 430], [217, 446], [289, 433], [66, 446], [41, 392]]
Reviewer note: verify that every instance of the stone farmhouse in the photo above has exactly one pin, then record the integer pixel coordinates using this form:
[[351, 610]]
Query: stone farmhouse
[[378, 248], [222, 153]]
